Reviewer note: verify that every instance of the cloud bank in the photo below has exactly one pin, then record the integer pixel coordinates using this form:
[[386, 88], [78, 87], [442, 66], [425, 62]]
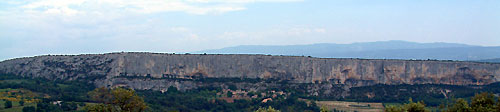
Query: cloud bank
[[199, 7], [35, 27]]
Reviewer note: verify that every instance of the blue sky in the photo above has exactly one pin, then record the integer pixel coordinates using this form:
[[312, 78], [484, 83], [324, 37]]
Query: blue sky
[[37, 27]]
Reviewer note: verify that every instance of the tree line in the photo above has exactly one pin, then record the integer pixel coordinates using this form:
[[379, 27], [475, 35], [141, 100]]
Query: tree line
[[483, 102]]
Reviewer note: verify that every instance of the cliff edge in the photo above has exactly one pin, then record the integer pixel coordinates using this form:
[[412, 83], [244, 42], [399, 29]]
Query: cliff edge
[[158, 70]]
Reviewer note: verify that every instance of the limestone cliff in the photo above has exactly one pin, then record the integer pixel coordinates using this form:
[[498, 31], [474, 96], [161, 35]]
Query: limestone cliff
[[157, 71]]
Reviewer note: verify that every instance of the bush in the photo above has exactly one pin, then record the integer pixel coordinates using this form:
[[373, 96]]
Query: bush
[[484, 102], [269, 109], [408, 107], [29, 109], [460, 106], [21, 103], [8, 104]]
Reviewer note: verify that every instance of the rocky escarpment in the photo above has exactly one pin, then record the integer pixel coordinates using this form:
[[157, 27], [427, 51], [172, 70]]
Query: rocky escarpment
[[160, 71]]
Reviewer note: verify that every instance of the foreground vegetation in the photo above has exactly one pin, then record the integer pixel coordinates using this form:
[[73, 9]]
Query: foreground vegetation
[[56, 96], [432, 94], [41, 95], [483, 102]]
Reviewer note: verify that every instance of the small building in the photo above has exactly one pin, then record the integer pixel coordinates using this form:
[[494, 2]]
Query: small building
[[266, 100]]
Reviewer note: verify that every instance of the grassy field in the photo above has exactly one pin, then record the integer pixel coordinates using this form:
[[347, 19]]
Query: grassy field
[[433, 109], [392, 104], [7, 89], [15, 106], [351, 106], [15, 95], [13, 81]]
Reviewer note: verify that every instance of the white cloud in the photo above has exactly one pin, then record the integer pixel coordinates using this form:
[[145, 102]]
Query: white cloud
[[62, 10], [35, 27], [320, 30], [240, 1], [179, 29], [154, 6], [199, 7], [273, 36], [53, 3]]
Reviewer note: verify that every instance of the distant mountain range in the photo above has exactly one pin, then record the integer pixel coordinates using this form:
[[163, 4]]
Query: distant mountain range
[[496, 60], [394, 49]]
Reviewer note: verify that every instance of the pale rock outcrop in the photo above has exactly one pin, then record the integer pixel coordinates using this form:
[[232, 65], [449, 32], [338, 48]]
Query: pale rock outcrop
[[157, 70]]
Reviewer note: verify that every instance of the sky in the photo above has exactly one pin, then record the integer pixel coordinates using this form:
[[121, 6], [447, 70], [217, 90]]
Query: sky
[[39, 27]]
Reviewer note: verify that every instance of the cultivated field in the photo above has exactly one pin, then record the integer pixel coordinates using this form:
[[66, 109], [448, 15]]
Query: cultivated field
[[351, 106]]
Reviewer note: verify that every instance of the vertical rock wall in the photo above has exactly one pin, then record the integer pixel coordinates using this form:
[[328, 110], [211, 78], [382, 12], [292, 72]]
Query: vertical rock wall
[[352, 72]]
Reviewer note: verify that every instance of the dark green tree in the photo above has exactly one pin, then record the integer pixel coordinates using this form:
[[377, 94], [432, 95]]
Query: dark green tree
[[250, 93], [232, 87], [229, 94], [390, 108], [46, 106], [101, 95], [120, 99], [69, 106], [269, 109], [460, 105], [498, 105], [21, 103], [172, 89], [324, 109], [483, 102], [408, 107], [29, 109], [8, 104]]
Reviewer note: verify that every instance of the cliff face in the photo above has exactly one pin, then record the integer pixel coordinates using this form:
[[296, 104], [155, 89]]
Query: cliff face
[[158, 71]]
